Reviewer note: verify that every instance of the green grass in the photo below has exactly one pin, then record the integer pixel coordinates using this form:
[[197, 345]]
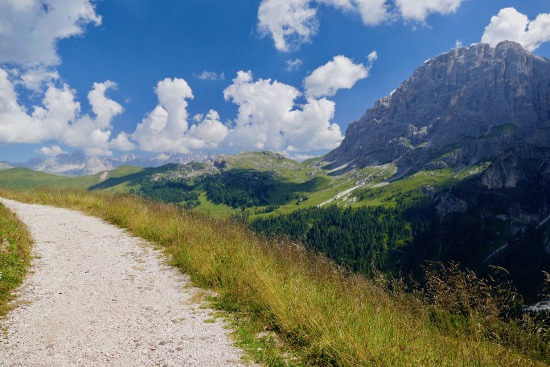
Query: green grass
[[291, 183], [306, 309], [209, 208], [23, 178], [15, 256], [407, 190], [121, 179], [320, 188], [26, 179]]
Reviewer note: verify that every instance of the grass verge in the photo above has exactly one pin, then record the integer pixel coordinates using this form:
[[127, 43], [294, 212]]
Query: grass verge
[[15, 255], [308, 311]]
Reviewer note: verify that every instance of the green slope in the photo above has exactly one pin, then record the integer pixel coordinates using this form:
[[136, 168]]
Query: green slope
[[23, 178], [26, 179], [260, 183]]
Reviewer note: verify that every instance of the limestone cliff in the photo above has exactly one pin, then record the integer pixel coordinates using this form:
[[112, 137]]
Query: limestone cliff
[[459, 108]]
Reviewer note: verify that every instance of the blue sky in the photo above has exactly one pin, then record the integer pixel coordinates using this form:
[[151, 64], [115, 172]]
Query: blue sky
[[143, 76]]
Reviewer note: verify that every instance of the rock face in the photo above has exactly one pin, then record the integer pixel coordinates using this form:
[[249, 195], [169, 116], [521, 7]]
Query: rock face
[[459, 108], [471, 106]]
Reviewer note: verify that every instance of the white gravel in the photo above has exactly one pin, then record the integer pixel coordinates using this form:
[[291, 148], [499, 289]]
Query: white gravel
[[98, 297]]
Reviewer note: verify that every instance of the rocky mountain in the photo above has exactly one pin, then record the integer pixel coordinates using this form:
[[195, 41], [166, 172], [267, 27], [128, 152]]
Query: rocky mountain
[[127, 158], [459, 108], [162, 159], [77, 164], [481, 110]]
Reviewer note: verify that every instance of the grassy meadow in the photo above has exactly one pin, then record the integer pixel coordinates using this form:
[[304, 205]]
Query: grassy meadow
[[293, 307], [15, 256]]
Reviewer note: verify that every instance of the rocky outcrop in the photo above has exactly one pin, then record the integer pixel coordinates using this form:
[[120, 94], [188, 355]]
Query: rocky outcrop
[[477, 106], [459, 108]]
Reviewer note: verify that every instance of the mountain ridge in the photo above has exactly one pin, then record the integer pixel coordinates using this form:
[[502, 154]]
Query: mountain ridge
[[78, 164], [461, 107]]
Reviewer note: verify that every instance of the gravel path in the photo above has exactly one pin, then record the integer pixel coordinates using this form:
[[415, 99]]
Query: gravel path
[[96, 296]]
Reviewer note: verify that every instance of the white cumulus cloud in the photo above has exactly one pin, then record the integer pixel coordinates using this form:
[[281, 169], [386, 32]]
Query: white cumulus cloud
[[210, 75], [271, 116], [420, 9], [373, 56], [209, 133], [270, 119], [166, 128], [122, 142], [30, 29], [292, 23], [340, 73], [512, 25], [293, 64], [289, 22], [29, 33], [373, 12], [37, 77], [58, 117], [342, 4], [51, 151], [103, 107], [93, 134]]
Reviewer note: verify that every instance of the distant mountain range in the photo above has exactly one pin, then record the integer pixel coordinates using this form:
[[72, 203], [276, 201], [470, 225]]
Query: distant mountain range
[[77, 164]]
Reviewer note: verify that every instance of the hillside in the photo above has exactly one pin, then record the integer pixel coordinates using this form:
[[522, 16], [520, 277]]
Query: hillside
[[24, 178], [293, 307], [468, 135]]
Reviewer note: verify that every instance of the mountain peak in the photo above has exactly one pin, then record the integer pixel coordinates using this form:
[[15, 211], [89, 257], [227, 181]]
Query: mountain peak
[[126, 158], [461, 107], [504, 46], [78, 155]]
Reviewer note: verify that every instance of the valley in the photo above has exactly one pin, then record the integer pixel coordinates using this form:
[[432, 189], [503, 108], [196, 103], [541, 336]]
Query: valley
[[432, 215]]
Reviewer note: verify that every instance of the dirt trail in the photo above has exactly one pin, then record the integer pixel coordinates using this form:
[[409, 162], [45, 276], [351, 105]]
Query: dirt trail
[[99, 297]]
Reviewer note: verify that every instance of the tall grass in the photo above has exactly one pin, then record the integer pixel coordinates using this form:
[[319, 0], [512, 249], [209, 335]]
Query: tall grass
[[326, 316], [15, 255]]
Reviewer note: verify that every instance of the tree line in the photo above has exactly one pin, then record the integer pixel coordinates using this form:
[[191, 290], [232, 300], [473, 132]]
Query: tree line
[[360, 239], [173, 192], [239, 188]]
